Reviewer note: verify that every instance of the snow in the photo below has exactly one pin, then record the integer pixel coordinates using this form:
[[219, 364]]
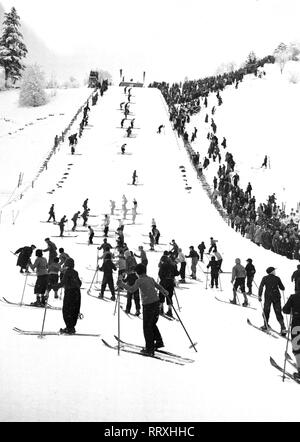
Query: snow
[[78, 379]]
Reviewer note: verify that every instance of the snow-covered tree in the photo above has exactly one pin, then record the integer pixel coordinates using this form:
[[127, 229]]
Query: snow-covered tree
[[294, 49], [32, 91], [12, 47], [282, 54]]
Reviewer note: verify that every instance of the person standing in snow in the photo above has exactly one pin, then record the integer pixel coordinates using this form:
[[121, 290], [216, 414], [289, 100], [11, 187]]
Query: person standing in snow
[[272, 285], [130, 280], [107, 268], [214, 272], [53, 275], [150, 302], [91, 235], [194, 258], [134, 178], [265, 162], [52, 249], [112, 207], [250, 271], [72, 298], [51, 214], [238, 278], [160, 128], [61, 224], [142, 256], [75, 219], [106, 223], [123, 148], [24, 257], [167, 273], [296, 278], [182, 261], [201, 249], [41, 267]]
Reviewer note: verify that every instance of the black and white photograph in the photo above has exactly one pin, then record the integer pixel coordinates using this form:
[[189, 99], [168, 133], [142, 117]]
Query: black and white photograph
[[149, 213]]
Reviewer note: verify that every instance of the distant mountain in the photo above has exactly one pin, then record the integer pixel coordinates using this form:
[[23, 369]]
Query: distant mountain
[[38, 52]]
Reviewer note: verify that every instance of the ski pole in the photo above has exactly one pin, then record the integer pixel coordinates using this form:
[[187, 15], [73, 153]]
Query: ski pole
[[89, 289], [119, 321], [21, 303], [45, 311], [286, 347], [220, 283], [264, 316], [192, 343], [179, 308], [97, 280], [206, 280]]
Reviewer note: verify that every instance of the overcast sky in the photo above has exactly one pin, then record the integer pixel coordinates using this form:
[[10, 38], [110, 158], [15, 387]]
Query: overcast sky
[[171, 38]]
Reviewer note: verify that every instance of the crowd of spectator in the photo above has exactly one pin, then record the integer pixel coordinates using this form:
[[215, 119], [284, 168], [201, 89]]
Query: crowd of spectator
[[265, 224]]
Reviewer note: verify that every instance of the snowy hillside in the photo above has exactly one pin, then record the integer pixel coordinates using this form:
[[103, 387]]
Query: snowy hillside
[[72, 378]]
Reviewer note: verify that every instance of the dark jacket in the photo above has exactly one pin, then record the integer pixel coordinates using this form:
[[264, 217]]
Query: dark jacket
[[70, 280], [24, 256], [272, 284], [292, 306], [214, 266], [250, 270], [107, 268]]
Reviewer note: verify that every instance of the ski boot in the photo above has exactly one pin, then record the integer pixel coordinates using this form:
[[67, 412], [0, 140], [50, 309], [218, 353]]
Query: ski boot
[[283, 331], [245, 303], [100, 296], [265, 327], [37, 303], [232, 301], [169, 313], [158, 345], [296, 376], [137, 313], [113, 298], [147, 352]]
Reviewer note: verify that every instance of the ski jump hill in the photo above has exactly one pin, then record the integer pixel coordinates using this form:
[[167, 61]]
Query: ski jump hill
[[74, 378]]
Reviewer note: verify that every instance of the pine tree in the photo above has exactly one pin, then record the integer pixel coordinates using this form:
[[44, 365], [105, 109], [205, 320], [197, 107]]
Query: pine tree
[[32, 91], [12, 48]]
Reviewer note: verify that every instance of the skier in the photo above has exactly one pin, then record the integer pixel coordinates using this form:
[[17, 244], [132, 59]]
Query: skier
[[130, 280], [265, 162], [91, 235], [156, 235], [133, 215], [150, 302], [201, 249], [160, 128], [62, 225], [51, 249], [213, 245], [174, 249], [129, 132], [182, 261], [296, 278], [272, 285], [214, 271], [74, 219], [194, 258], [24, 257], [134, 178], [250, 272], [152, 241], [72, 298], [51, 214], [106, 225], [53, 275], [123, 148], [122, 122], [142, 256], [224, 143], [238, 277], [292, 307], [112, 207], [107, 268], [132, 123], [85, 216], [219, 259], [85, 204], [41, 267], [167, 273], [105, 246]]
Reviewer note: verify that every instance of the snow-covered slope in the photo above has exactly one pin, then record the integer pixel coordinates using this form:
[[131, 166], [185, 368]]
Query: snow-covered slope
[[78, 379]]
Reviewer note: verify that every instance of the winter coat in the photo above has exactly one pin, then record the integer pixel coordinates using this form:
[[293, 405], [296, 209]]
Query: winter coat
[[24, 256], [272, 284]]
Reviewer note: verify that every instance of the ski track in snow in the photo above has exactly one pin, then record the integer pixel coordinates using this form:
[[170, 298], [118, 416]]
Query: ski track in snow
[[80, 378]]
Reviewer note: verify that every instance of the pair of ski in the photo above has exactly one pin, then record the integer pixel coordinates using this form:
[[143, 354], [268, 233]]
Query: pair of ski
[[238, 305], [269, 331], [51, 333], [286, 373], [18, 304], [162, 355]]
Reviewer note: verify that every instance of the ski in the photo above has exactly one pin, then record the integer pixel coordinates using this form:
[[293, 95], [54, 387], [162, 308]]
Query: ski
[[137, 352], [287, 374], [17, 304], [163, 352], [278, 333], [100, 299], [267, 332], [169, 318], [51, 333], [64, 236], [238, 305]]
